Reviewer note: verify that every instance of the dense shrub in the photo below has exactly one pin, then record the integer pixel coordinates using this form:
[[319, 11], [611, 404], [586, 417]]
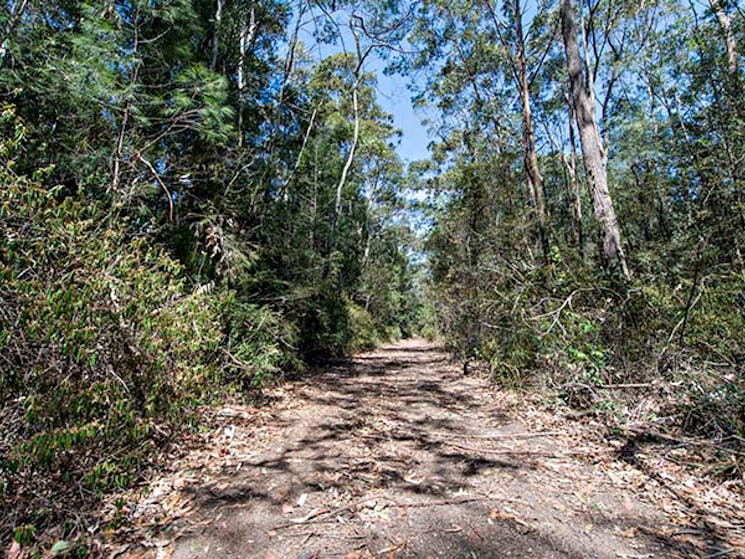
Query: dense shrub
[[101, 342], [332, 325], [577, 329], [104, 348], [714, 407], [322, 321], [363, 335], [260, 344]]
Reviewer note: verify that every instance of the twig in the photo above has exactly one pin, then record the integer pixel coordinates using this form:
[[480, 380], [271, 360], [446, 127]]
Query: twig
[[528, 453], [321, 512], [638, 431], [161, 183], [720, 553], [501, 436], [443, 503], [690, 303], [627, 385], [307, 537], [390, 549]]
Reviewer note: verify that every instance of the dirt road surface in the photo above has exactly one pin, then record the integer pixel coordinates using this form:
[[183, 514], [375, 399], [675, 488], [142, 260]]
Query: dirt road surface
[[396, 454]]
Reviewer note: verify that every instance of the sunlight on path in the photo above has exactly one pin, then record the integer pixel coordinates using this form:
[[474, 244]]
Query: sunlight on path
[[396, 454]]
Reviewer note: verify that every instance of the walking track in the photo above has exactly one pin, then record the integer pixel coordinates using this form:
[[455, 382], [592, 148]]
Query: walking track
[[396, 454]]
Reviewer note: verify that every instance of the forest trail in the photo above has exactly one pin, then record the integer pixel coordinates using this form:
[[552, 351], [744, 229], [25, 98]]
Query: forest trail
[[396, 454]]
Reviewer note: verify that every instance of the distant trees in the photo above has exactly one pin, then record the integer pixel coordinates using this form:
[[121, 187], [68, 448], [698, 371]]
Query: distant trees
[[649, 92], [193, 202]]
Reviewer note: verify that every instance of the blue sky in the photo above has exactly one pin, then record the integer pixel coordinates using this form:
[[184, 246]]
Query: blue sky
[[395, 98], [393, 94]]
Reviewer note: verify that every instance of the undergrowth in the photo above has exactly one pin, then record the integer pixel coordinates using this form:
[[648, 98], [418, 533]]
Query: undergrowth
[[581, 334], [106, 350]]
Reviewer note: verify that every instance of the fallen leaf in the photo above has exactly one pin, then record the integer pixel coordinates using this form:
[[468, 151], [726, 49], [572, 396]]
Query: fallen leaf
[[14, 551], [61, 547]]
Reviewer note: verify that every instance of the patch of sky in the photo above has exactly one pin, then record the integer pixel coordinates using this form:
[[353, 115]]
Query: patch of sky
[[393, 89]]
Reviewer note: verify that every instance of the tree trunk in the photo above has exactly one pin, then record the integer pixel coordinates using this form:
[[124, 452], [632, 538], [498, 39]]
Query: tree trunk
[[725, 23], [352, 149], [245, 40], [121, 136], [733, 92], [592, 148], [119, 150], [343, 180], [571, 165], [216, 36], [350, 156], [532, 171]]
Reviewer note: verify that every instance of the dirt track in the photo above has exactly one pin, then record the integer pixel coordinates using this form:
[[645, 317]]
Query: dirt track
[[396, 454]]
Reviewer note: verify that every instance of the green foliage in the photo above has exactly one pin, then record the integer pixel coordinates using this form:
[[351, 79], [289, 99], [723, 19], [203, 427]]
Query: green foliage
[[170, 232], [323, 325], [174, 227], [363, 335], [101, 338], [259, 345], [672, 125], [25, 535], [103, 345]]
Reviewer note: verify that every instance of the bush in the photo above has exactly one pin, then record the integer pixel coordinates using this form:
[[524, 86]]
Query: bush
[[363, 334], [259, 344], [322, 323], [715, 409], [578, 330], [329, 324], [103, 347]]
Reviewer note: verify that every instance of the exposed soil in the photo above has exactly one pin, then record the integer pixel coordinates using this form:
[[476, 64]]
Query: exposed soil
[[396, 454]]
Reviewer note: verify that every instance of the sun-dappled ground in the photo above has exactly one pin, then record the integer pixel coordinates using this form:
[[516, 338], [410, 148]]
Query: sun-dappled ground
[[396, 454]]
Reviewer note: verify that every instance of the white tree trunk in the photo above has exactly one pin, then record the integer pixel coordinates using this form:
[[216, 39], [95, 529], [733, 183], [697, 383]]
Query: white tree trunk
[[725, 22], [592, 147], [533, 172]]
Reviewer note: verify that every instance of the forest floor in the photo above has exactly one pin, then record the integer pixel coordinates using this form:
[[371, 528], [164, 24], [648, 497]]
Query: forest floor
[[396, 454]]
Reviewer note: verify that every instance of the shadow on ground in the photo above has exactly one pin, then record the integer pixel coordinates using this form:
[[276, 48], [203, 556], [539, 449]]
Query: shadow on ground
[[396, 454]]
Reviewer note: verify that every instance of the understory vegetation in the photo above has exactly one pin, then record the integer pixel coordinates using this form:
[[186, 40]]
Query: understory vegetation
[[536, 280], [202, 197], [187, 213]]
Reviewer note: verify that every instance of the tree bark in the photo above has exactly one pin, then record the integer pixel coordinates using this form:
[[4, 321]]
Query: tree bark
[[532, 171], [216, 36], [121, 136], [733, 91], [245, 40], [592, 149], [352, 149], [518, 66], [571, 165], [725, 23]]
